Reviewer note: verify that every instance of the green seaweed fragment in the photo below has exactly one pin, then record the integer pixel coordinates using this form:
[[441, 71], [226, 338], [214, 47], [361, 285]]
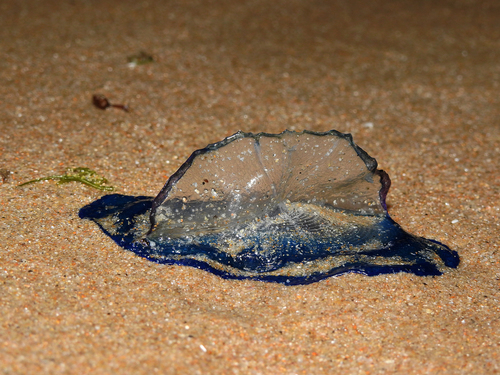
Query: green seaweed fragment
[[81, 174], [140, 59]]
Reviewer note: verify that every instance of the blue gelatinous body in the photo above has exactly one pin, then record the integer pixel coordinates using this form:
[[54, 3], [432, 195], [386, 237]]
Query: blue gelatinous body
[[293, 208]]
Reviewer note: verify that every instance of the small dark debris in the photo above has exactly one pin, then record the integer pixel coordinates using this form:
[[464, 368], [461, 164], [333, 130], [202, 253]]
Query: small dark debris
[[5, 175], [101, 102]]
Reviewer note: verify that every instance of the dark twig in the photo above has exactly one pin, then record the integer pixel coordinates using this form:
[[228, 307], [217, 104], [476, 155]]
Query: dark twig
[[101, 102]]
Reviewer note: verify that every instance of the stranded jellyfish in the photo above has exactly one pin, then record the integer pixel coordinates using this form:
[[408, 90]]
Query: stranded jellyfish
[[294, 208]]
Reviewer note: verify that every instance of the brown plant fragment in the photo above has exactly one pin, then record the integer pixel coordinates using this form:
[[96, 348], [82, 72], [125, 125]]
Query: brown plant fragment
[[101, 102]]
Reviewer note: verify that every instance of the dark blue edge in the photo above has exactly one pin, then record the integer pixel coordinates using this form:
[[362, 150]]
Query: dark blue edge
[[141, 204]]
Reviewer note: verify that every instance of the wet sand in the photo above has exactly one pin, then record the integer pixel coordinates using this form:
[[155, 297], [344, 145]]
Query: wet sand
[[415, 83]]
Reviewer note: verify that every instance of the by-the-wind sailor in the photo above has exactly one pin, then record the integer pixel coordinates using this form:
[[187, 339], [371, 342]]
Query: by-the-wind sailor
[[290, 207]]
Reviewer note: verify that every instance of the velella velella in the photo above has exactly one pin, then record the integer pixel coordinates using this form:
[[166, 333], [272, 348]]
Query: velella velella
[[294, 207]]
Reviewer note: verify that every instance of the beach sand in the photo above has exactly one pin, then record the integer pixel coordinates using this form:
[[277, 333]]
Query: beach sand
[[415, 82]]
